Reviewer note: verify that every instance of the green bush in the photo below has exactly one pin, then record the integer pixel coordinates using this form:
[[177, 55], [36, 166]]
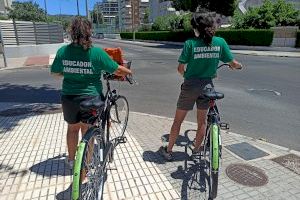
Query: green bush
[[178, 36], [298, 39], [269, 14], [233, 37], [256, 37]]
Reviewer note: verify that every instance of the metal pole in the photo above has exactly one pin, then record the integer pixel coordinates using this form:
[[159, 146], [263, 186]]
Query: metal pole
[[45, 2], [87, 9], [78, 8], [133, 25]]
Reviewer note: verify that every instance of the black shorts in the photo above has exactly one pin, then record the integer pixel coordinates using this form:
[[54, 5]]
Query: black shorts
[[71, 108], [192, 92]]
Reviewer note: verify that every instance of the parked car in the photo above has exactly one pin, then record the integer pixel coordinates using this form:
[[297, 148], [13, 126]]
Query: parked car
[[99, 35]]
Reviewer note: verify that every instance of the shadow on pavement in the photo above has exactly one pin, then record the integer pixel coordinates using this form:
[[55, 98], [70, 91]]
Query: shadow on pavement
[[157, 158], [65, 195], [52, 167], [194, 180], [28, 94], [23, 101]]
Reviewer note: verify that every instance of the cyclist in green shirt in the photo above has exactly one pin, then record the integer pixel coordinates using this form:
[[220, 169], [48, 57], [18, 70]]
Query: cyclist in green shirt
[[81, 64], [201, 55]]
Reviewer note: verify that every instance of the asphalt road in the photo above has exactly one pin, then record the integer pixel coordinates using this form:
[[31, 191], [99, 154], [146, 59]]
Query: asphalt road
[[261, 101]]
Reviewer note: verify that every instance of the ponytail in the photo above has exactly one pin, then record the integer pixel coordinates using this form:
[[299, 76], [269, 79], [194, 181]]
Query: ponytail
[[205, 25]]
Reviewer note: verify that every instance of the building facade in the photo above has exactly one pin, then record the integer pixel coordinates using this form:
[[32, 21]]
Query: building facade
[[109, 10], [3, 5], [132, 13], [160, 8]]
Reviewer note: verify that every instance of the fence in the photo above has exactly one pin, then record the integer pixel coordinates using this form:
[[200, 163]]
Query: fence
[[18, 37], [30, 33]]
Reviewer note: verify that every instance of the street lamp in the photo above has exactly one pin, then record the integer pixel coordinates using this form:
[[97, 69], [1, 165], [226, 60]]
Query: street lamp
[[77, 8]]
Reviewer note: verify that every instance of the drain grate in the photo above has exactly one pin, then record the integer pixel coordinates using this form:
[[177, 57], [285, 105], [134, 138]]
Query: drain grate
[[246, 151], [247, 175], [289, 161], [36, 109]]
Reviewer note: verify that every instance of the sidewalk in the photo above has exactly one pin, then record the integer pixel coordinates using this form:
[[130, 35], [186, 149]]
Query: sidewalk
[[23, 62], [32, 144]]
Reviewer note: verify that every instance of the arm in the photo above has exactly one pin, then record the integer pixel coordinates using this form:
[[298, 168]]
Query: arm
[[122, 71], [57, 75], [180, 68]]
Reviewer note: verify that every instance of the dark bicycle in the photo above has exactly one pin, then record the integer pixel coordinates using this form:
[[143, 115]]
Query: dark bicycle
[[108, 124]]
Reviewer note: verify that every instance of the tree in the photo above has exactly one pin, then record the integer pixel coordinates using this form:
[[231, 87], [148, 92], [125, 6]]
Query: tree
[[285, 13], [27, 11], [97, 16], [224, 7], [146, 16], [160, 24], [269, 14]]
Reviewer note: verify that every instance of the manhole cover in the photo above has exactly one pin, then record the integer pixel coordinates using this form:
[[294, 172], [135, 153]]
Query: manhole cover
[[27, 110], [290, 161], [247, 175]]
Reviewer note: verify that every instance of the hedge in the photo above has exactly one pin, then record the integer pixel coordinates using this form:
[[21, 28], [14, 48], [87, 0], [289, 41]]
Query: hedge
[[179, 36], [298, 39], [258, 37]]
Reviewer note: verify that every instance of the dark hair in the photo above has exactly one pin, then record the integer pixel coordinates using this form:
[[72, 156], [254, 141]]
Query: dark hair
[[81, 32], [205, 24]]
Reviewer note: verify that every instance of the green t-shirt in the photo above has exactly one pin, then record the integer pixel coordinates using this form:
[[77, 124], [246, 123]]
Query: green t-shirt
[[82, 69], [202, 60]]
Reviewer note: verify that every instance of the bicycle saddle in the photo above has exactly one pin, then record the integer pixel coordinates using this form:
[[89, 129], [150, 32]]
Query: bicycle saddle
[[92, 104], [211, 94]]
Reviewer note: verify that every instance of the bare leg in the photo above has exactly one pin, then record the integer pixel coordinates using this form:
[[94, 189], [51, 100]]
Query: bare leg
[[201, 120], [84, 127], [72, 139], [175, 129]]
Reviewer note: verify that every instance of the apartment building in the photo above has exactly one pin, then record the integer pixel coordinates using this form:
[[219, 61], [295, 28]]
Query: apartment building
[[132, 13], [160, 8], [110, 11], [3, 5]]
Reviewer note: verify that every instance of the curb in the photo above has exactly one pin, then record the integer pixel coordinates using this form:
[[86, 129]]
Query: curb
[[228, 132]]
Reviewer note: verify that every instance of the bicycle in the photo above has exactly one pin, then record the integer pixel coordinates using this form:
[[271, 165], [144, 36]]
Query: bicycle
[[212, 150], [96, 148]]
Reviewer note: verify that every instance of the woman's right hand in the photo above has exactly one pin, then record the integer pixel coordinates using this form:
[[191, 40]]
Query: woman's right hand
[[235, 65], [180, 69]]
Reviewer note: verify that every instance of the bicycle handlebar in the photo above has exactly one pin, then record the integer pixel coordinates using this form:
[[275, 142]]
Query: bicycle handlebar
[[228, 65]]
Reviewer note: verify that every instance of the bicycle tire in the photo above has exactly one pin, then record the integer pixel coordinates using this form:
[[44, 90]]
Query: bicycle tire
[[214, 160], [88, 165], [118, 117]]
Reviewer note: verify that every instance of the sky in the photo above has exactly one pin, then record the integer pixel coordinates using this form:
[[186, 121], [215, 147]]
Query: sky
[[67, 6]]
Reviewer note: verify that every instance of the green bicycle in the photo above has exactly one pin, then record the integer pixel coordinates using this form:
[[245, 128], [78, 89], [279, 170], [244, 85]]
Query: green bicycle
[[95, 150]]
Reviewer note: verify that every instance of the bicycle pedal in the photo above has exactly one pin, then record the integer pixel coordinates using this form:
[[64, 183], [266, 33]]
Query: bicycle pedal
[[224, 126], [122, 139]]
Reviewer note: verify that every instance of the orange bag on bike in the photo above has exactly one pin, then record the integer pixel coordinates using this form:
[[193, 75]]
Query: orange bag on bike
[[116, 54]]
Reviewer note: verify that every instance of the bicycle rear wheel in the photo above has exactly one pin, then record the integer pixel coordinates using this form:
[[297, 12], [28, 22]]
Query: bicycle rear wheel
[[214, 160], [88, 173], [119, 113]]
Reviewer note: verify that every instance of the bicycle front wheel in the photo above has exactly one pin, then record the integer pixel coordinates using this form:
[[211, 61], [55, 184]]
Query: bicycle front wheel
[[214, 159], [119, 113], [88, 172]]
